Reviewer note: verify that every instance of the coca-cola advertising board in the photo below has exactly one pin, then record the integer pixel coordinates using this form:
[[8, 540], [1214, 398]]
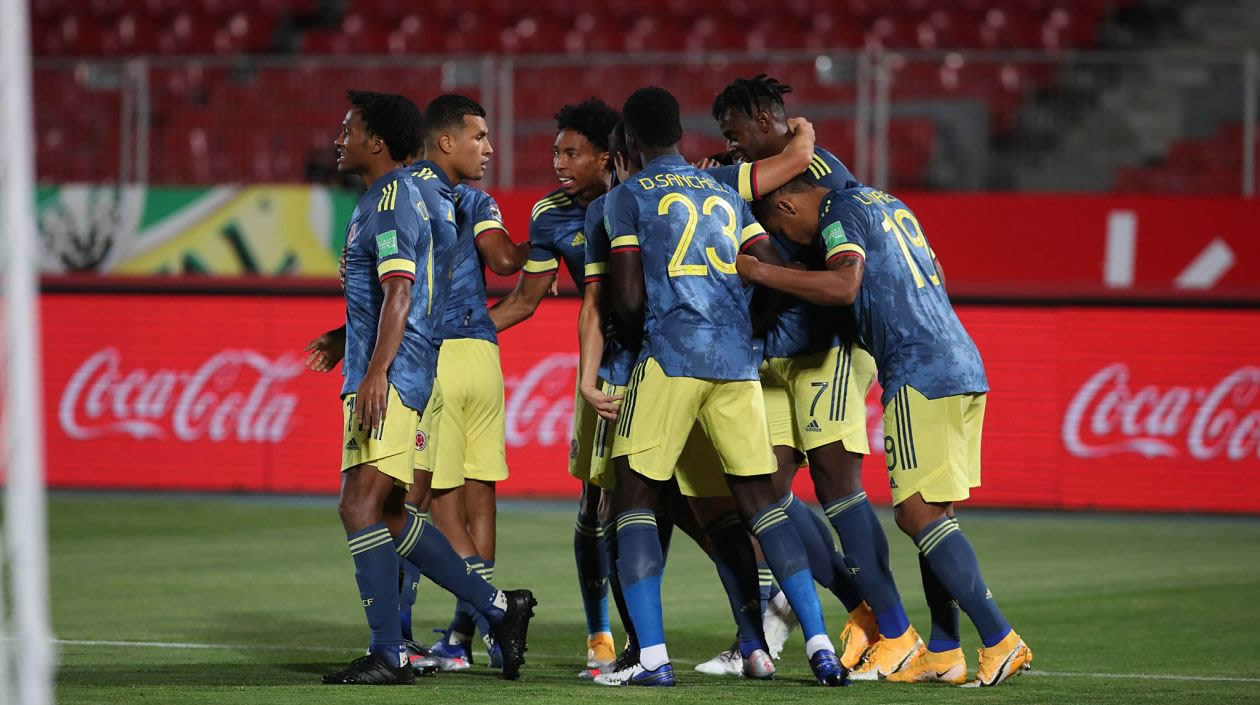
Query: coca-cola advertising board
[[1109, 408]]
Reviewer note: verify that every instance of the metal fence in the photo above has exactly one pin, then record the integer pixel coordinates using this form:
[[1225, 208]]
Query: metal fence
[[941, 120]]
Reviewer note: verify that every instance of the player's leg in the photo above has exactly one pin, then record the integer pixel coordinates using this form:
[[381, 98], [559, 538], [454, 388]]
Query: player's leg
[[829, 398], [590, 551], [934, 461], [416, 502], [374, 461], [481, 509], [656, 417], [508, 613], [733, 417], [451, 518], [736, 563]]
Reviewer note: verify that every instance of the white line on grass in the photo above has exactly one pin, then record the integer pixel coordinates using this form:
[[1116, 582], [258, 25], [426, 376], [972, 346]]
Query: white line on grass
[[330, 649]]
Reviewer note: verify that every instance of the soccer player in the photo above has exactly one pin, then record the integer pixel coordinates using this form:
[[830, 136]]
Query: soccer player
[[604, 371], [815, 379], [470, 457], [580, 158], [879, 260], [392, 338], [674, 235]]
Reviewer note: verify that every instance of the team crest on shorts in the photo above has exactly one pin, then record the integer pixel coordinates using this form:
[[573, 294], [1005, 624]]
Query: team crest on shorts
[[421, 440], [573, 449]]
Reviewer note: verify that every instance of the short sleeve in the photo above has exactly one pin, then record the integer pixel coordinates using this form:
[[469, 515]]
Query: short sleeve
[[487, 217], [741, 177], [750, 231], [396, 233], [542, 260], [596, 266], [621, 220], [842, 228]]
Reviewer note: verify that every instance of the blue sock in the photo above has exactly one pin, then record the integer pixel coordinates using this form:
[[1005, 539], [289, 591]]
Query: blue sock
[[954, 563], [376, 572], [766, 587], [945, 632], [737, 568], [866, 550], [614, 587], [640, 564], [592, 569], [783, 550], [824, 559], [408, 584], [426, 547], [463, 623]]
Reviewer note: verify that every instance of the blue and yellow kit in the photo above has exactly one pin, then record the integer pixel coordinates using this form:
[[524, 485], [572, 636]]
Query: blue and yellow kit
[[698, 361], [556, 234], [389, 235], [933, 379], [814, 378]]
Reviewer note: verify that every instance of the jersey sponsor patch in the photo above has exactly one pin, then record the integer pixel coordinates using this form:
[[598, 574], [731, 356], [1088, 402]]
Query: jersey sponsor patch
[[387, 243], [834, 235]]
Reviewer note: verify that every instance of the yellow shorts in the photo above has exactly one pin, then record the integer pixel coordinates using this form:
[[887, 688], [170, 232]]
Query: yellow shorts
[[601, 469], [472, 424], [827, 395], [427, 428], [582, 436], [778, 410], [932, 446], [659, 413], [389, 448]]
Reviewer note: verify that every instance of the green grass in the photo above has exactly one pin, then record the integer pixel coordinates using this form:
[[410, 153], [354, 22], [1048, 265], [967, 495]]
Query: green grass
[[272, 582]]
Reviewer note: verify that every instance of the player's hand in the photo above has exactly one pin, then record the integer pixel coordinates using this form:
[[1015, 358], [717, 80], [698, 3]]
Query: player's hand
[[555, 287], [369, 400], [748, 267], [606, 405], [800, 127], [326, 351], [707, 163]]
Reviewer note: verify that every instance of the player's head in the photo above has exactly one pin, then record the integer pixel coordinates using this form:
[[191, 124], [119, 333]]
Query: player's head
[[456, 135], [378, 129], [580, 152], [652, 120], [791, 211], [624, 162], [750, 114]]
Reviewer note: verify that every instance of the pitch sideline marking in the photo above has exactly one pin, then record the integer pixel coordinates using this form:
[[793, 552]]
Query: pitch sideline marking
[[263, 647]]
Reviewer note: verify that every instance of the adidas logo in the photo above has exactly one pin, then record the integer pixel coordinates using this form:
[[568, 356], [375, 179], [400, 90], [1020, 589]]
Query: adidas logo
[[813, 426], [352, 445], [578, 240]]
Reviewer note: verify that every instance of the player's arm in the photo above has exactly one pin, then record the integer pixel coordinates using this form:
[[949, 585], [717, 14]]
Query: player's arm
[[772, 172], [494, 245], [591, 319], [625, 265], [836, 286], [541, 267], [326, 350], [590, 350], [400, 236]]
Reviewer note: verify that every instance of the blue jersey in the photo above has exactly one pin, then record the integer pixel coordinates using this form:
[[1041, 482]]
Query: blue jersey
[[800, 328], [617, 361], [439, 199], [476, 215], [689, 229], [904, 316], [389, 235], [555, 234]]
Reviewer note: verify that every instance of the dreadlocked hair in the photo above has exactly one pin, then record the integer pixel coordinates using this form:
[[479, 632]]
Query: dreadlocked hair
[[749, 95]]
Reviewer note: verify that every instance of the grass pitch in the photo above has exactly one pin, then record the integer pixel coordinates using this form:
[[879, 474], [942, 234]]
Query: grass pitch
[[170, 600]]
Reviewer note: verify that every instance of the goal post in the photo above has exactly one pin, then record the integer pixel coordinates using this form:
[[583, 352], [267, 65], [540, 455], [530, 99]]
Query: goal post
[[27, 644]]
